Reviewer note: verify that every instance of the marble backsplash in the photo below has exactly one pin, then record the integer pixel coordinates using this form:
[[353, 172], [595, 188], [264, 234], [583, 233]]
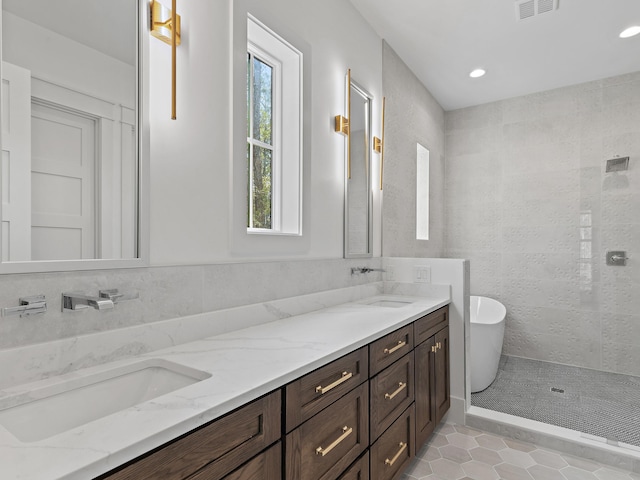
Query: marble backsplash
[[165, 293], [36, 362]]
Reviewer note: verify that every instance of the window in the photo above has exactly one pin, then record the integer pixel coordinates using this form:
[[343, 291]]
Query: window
[[260, 148], [274, 133]]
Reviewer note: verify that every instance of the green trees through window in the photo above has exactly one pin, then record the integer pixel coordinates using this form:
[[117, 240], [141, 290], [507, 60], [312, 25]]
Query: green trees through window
[[260, 145]]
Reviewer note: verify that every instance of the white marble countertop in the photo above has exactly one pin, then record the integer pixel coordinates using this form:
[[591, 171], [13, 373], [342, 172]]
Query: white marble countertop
[[243, 364]]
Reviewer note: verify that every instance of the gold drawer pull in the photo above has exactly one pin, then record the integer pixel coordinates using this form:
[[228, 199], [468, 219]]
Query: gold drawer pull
[[403, 447], [345, 376], [389, 351], [401, 386], [346, 431]]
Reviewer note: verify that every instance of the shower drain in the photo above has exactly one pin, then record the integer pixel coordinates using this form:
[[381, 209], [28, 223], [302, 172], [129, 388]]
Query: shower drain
[[557, 390]]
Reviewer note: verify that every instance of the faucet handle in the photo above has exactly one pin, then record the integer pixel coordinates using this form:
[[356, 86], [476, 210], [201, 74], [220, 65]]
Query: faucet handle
[[115, 296], [111, 293]]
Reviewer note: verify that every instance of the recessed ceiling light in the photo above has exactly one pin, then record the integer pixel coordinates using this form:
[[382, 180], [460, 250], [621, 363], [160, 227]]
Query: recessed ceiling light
[[477, 73], [630, 32]]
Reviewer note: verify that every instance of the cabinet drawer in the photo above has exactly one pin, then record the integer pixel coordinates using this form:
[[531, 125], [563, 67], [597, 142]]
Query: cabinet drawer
[[392, 391], [308, 395], [395, 449], [324, 446], [390, 348], [428, 325], [228, 443], [359, 470], [266, 466]]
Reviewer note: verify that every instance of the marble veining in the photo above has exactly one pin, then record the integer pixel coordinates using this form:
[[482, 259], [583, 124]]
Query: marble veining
[[36, 362], [244, 364]]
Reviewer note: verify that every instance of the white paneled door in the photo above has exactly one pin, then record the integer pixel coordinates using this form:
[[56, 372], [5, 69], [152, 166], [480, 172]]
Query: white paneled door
[[63, 195], [15, 172]]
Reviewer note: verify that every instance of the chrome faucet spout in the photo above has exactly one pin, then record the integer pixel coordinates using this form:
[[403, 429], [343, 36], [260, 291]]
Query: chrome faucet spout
[[79, 301]]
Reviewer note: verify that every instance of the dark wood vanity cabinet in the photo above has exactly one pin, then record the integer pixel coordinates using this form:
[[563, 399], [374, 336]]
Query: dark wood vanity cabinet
[[432, 388], [360, 417], [215, 450]]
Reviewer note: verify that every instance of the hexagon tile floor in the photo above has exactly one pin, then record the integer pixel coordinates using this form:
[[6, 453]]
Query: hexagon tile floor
[[455, 452]]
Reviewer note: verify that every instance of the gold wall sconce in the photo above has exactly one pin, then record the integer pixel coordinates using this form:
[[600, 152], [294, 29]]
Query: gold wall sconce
[[379, 146], [342, 123], [165, 25]]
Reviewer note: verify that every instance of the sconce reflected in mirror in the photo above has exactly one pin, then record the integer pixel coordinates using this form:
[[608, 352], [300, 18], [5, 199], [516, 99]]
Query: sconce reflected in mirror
[[165, 25], [378, 143], [342, 123]]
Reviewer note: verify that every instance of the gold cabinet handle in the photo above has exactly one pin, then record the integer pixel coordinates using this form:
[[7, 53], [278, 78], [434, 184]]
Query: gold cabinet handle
[[434, 348], [346, 431], [439, 345], [403, 447], [401, 386], [389, 351], [345, 376]]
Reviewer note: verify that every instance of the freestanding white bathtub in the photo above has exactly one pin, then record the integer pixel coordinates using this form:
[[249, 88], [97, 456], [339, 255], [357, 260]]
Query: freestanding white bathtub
[[487, 333]]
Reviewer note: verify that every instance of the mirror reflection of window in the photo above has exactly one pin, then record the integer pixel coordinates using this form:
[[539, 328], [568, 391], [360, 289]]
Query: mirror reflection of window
[[422, 193], [358, 225]]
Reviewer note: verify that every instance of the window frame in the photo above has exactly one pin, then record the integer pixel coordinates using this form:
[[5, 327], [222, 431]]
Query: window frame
[[287, 129]]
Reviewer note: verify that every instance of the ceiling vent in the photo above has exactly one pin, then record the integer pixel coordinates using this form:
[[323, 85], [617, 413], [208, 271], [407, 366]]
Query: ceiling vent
[[532, 8]]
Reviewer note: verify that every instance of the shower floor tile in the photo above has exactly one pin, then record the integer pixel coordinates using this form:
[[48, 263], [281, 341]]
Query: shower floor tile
[[590, 401]]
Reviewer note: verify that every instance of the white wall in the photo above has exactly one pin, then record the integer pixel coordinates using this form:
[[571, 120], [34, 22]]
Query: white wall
[[52, 57], [195, 216]]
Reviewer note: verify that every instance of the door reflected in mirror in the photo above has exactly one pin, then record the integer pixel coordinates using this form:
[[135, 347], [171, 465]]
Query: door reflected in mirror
[[422, 193], [358, 229], [69, 176]]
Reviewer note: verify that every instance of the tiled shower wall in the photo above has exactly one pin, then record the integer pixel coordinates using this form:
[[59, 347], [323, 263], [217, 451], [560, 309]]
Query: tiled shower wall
[[529, 203]]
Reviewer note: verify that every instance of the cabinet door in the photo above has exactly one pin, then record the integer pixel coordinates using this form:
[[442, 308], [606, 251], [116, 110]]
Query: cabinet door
[[324, 446], [266, 466], [395, 448], [441, 374], [424, 386]]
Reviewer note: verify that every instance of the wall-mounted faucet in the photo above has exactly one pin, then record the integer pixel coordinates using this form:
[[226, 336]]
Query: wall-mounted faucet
[[359, 270], [33, 305], [79, 301]]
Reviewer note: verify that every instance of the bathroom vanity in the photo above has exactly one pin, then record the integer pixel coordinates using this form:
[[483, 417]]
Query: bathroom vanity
[[362, 416], [345, 392]]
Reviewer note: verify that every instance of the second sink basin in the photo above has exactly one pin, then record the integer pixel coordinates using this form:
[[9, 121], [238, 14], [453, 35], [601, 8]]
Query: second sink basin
[[387, 301], [62, 406]]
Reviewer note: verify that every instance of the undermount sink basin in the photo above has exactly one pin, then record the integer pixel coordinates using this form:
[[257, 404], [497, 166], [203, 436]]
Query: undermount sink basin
[[388, 302], [62, 406]]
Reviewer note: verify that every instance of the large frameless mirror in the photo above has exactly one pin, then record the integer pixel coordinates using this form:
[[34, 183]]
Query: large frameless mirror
[[358, 195], [71, 144]]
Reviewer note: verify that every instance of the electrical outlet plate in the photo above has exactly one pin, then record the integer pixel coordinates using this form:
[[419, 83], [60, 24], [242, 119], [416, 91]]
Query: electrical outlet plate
[[390, 274], [421, 274]]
